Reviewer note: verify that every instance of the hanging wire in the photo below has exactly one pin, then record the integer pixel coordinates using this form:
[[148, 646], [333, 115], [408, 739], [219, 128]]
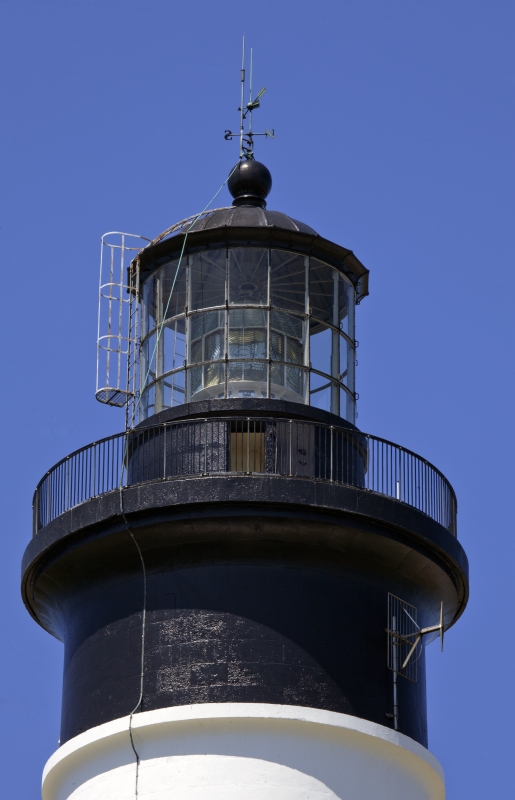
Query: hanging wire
[[122, 513], [143, 630]]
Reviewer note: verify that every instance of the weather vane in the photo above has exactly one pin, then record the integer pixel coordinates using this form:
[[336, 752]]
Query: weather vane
[[247, 137]]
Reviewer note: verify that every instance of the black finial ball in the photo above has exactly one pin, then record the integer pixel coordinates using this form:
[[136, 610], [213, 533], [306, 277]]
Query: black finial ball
[[250, 183]]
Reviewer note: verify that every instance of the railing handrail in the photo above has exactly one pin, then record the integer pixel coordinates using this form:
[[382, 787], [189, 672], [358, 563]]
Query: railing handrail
[[81, 450], [352, 433]]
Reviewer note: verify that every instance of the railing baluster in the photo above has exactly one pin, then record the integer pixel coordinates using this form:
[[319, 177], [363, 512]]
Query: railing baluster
[[290, 446], [331, 475]]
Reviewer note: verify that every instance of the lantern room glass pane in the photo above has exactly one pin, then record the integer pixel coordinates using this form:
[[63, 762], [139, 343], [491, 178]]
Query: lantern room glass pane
[[148, 317], [247, 379], [174, 389], [206, 344], [288, 280], [247, 340], [347, 406], [346, 303], [320, 347], [214, 377], [207, 337], [347, 363], [286, 338], [288, 383], [323, 292], [320, 391], [206, 382], [248, 371], [195, 380], [173, 345], [207, 278], [248, 333], [296, 383], [173, 288], [248, 276], [247, 343], [148, 402], [148, 360]]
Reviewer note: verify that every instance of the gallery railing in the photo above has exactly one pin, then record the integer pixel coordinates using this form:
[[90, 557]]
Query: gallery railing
[[258, 446]]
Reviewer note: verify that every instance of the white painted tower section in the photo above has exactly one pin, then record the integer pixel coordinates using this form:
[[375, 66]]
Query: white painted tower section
[[243, 751]]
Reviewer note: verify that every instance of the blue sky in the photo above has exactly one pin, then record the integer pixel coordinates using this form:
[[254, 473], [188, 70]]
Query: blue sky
[[394, 126]]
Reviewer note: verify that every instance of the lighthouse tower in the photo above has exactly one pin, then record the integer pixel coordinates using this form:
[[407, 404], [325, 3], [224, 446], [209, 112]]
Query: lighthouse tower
[[244, 581]]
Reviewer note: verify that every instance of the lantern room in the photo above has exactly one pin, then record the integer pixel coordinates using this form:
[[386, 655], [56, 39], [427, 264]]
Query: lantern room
[[249, 303]]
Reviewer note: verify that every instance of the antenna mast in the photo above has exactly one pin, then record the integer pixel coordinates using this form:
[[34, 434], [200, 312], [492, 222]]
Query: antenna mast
[[242, 116], [250, 98]]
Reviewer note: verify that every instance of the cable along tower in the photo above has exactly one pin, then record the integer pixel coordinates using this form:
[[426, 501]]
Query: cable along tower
[[243, 580]]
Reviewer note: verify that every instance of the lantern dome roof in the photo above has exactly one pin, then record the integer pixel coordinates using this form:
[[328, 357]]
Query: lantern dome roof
[[249, 223], [243, 216]]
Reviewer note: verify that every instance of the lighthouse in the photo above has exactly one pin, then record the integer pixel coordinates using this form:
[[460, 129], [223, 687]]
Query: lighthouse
[[244, 581]]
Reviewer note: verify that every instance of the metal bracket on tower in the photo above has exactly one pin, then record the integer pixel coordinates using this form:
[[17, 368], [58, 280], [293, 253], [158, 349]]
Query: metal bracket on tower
[[423, 632], [404, 637]]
